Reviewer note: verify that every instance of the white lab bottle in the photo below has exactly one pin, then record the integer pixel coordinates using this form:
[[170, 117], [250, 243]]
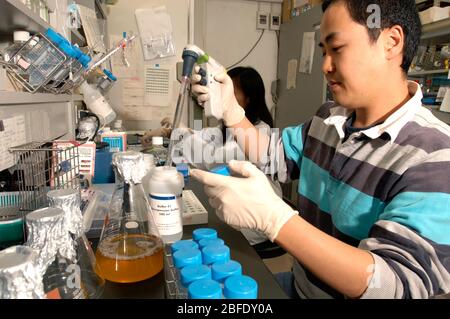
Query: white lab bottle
[[97, 103], [20, 38], [165, 193]]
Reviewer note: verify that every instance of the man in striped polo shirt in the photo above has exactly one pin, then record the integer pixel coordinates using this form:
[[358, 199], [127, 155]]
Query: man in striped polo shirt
[[373, 217]]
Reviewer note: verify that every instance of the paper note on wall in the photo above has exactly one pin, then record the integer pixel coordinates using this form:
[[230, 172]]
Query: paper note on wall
[[155, 28], [307, 56], [12, 133]]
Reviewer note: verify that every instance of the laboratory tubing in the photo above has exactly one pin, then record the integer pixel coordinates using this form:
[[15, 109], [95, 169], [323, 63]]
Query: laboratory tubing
[[20, 275], [216, 253], [201, 233], [186, 257], [130, 248], [240, 287], [205, 289], [165, 191]]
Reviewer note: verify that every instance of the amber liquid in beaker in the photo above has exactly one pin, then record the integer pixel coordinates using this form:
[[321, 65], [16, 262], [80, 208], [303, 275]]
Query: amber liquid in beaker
[[129, 258]]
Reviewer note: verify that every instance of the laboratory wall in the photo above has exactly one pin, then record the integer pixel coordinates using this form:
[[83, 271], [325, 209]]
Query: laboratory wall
[[230, 32], [226, 29], [128, 96]]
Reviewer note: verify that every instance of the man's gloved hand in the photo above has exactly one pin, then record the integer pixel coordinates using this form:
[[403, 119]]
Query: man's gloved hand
[[246, 202], [233, 113]]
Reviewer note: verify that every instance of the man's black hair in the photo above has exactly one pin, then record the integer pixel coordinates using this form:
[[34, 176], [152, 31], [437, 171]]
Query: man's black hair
[[393, 12]]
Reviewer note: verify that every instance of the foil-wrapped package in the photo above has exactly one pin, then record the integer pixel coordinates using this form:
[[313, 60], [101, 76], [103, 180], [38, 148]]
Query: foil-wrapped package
[[20, 276], [130, 166], [48, 236], [69, 200]]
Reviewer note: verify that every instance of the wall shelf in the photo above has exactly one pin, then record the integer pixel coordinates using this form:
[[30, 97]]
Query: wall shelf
[[436, 32], [427, 72], [14, 15], [16, 98]]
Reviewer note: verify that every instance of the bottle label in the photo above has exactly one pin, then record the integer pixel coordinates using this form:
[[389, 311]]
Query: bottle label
[[167, 213]]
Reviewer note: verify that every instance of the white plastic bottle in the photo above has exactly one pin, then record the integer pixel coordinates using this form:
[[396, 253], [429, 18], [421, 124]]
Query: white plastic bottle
[[158, 150], [165, 190], [118, 126], [20, 38], [97, 103]]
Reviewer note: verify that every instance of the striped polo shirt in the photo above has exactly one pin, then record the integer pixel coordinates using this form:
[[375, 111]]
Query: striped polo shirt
[[385, 189]]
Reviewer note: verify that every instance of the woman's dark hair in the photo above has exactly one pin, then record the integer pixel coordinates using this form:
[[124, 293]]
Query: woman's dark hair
[[399, 12], [252, 86]]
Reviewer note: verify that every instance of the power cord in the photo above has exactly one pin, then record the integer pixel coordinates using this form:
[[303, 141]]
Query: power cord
[[251, 50]]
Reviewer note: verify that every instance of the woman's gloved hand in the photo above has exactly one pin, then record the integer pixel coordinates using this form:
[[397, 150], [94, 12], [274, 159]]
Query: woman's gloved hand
[[246, 202], [233, 113]]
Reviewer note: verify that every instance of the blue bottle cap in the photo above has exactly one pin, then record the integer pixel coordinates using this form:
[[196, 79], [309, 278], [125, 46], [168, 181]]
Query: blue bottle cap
[[205, 289], [201, 233], [192, 273], [109, 75], [186, 257], [54, 36], [221, 271], [210, 241], [216, 254], [68, 50], [183, 244], [240, 287], [221, 170], [84, 60], [78, 51]]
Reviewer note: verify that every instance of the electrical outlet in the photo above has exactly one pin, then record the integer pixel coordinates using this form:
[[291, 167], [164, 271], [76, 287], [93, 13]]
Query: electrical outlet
[[275, 21], [262, 20]]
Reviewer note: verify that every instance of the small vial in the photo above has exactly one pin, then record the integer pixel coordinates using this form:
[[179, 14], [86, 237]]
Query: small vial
[[205, 289], [184, 244], [193, 273], [216, 254], [210, 241], [221, 271], [201, 233], [240, 287], [186, 257]]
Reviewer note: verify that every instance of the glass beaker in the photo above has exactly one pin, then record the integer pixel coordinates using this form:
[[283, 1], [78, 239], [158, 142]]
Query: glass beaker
[[130, 248]]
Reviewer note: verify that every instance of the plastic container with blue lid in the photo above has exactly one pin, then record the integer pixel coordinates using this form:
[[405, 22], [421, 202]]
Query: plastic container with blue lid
[[201, 233], [216, 254], [240, 287], [205, 289], [183, 244], [186, 257], [221, 271], [192, 273], [210, 241]]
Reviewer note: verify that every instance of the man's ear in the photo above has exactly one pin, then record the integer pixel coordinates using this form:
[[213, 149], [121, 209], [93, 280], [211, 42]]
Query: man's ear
[[394, 42]]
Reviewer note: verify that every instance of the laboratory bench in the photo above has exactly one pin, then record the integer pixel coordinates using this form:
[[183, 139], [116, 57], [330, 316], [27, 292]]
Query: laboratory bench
[[241, 251]]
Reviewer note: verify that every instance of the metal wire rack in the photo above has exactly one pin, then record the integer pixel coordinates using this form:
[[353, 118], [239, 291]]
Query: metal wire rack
[[44, 166]]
